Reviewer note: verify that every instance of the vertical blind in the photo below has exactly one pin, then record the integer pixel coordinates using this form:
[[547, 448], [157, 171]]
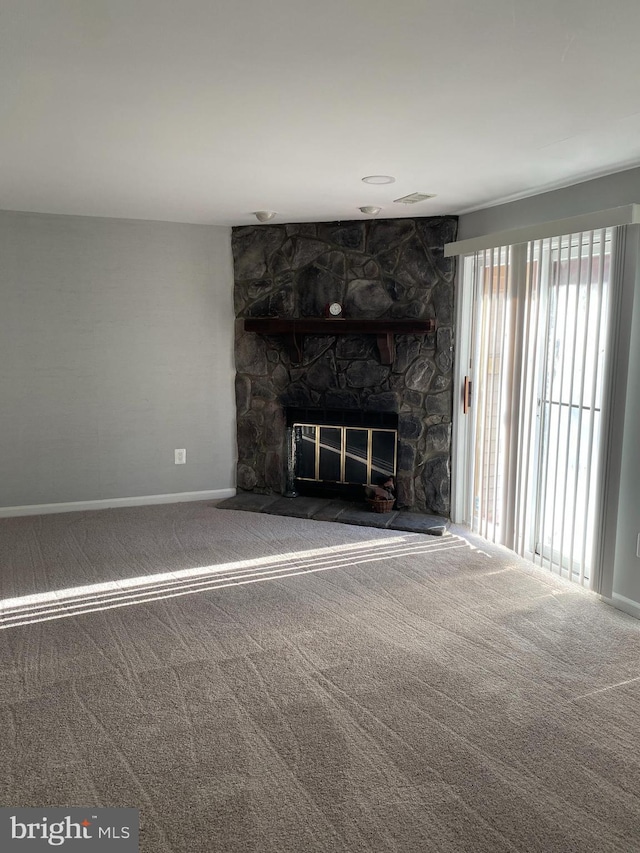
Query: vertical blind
[[538, 349]]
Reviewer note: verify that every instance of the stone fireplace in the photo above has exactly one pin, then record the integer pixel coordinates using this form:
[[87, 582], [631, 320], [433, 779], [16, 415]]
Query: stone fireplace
[[381, 269]]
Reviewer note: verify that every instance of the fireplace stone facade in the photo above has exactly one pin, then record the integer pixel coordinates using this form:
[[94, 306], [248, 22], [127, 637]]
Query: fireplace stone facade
[[382, 269]]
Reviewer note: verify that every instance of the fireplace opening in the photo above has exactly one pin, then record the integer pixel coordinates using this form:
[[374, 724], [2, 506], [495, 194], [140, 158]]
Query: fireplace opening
[[337, 453]]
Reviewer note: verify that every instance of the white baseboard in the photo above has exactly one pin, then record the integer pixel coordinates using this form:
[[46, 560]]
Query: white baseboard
[[624, 604], [110, 503]]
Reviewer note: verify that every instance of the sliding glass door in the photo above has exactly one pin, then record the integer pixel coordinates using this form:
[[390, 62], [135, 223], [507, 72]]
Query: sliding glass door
[[570, 405], [537, 359]]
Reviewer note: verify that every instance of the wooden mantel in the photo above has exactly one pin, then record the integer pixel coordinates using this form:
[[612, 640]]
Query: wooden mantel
[[294, 330]]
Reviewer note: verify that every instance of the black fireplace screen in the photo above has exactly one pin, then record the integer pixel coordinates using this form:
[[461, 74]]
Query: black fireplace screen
[[344, 454]]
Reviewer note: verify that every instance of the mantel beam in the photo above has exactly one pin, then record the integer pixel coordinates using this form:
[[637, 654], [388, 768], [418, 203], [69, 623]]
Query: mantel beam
[[294, 330]]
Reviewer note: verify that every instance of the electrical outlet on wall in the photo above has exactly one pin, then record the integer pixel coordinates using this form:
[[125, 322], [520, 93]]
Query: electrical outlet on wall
[[181, 457]]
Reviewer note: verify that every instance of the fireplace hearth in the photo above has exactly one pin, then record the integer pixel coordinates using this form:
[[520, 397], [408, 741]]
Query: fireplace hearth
[[382, 270]]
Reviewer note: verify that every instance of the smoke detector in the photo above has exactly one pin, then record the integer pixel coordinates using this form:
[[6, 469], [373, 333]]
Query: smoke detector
[[413, 198]]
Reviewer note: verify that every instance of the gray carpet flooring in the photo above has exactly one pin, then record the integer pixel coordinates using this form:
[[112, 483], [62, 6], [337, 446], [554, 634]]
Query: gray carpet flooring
[[257, 683]]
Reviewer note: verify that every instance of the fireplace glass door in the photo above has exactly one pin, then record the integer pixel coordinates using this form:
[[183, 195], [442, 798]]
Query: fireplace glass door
[[344, 454]]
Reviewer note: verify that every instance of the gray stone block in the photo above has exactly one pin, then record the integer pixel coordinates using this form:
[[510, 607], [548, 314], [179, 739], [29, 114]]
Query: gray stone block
[[405, 490], [420, 374], [279, 304], [243, 394], [444, 362], [322, 375], [386, 234], [300, 507], [331, 510], [436, 231], [415, 261], [274, 473], [248, 502], [415, 522], [245, 477], [438, 439], [335, 262], [307, 250], [248, 433], [389, 260], [406, 456], [439, 404], [365, 374], [297, 394], [355, 347], [366, 299], [314, 346], [442, 295], [342, 400], [385, 402], [435, 477], [303, 229], [441, 382], [317, 287], [252, 246], [251, 355], [367, 518], [410, 426], [349, 235]]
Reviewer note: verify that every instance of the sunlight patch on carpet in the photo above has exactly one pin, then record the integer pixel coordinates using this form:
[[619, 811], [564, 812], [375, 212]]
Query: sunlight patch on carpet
[[91, 598]]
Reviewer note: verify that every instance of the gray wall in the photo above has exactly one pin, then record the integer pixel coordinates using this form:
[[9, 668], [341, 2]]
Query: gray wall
[[622, 572], [599, 194], [116, 347], [626, 580]]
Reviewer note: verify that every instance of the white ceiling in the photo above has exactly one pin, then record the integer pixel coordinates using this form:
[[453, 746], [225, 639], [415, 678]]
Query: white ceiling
[[206, 110]]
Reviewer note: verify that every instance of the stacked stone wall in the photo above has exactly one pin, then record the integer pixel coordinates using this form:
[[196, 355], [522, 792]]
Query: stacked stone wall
[[379, 269]]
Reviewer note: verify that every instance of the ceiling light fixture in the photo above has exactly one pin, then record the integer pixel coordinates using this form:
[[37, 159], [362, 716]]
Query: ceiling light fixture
[[264, 215], [370, 209], [379, 179]]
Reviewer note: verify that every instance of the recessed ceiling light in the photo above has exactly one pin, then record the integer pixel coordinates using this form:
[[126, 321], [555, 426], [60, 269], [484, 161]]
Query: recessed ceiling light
[[370, 209], [379, 179], [264, 215]]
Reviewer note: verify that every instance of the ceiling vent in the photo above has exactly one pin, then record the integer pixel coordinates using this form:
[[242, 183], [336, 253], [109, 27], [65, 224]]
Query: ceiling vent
[[413, 198]]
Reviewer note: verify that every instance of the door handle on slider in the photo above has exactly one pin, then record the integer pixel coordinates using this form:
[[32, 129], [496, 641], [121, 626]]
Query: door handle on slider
[[466, 400]]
